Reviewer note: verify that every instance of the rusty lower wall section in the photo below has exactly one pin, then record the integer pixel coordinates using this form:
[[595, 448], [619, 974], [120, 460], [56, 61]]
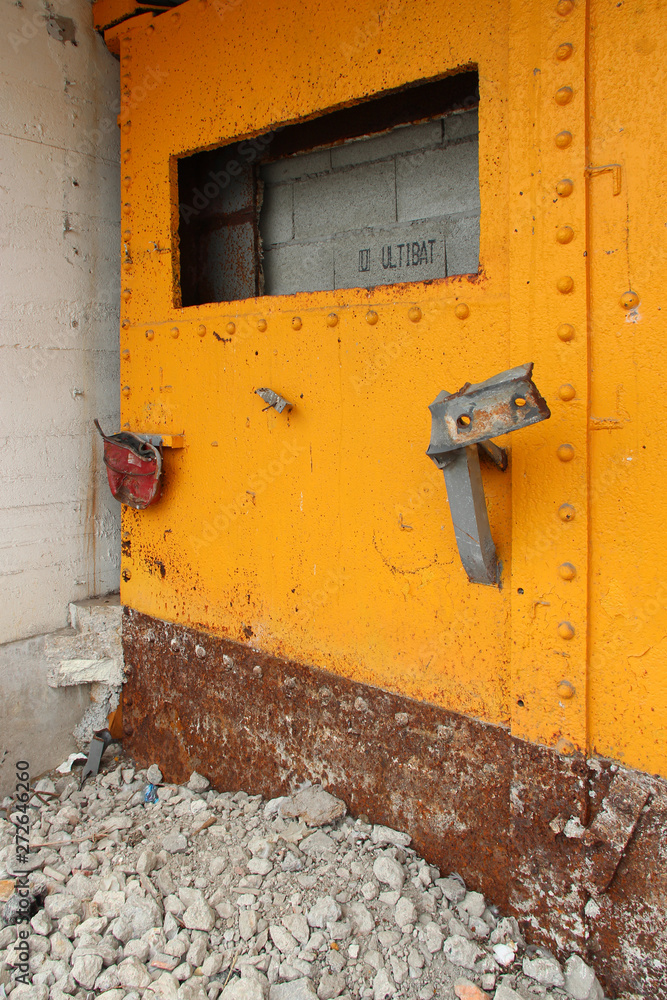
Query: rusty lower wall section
[[574, 848]]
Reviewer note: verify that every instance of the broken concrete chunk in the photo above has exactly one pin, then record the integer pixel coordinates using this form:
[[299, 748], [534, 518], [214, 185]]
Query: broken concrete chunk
[[546, 971], [198, 783], [175, 843], [314, 806], [200, 917], [385, 835], [298, 989], [388, 871], [86, 969], [580, 981], [462, 952]]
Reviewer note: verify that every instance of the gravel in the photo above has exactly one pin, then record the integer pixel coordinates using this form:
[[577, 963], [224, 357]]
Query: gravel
[[206, 895]]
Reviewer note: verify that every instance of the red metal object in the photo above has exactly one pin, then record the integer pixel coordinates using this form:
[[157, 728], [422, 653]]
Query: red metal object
[[134, 466]]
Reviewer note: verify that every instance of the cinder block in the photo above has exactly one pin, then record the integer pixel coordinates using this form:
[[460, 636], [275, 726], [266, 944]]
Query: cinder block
[[461, 124], [462, 245], [438, 182], [298, 267], [412, 252], [301, 165], [400, 140], [276, 223], [356, 198]]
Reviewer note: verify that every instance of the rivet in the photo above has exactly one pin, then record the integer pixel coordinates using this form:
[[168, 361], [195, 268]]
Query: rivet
[[566, 512], [127, 208], [565, 284], [174, 332], [127, 181], [565, 332], [127, 155], [564, 7], [565, 747], [564, 51], [332, 319], [127, 264], [414, 314], [567, 392], [150, 334], [125, 390], [567, 571], [371, 317], [261, 325], [629, 300], [462, 311], [231, 328], [296, 323], [201, 330], [200, 652], [566, 690], [563, 139], [565, 452], [126, 294], [127, 126], [125, 324], [563, 95], [126, 354], [565, 234], [566, 630], [127, 575]]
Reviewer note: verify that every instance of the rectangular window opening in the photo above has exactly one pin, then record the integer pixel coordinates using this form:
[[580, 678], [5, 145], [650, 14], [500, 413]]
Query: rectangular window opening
[[384, 192]]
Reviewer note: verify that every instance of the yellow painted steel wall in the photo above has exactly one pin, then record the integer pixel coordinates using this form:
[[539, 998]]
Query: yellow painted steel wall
[[325, 535]]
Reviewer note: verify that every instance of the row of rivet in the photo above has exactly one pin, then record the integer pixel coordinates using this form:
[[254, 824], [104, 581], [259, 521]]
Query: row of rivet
[[565, 285], [461, 311]]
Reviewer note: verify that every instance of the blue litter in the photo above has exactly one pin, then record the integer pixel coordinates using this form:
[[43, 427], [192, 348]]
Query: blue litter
[[150, 795]]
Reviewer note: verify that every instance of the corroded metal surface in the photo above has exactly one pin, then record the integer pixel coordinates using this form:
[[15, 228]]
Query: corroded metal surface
[[520, 822], [249, 720], [507, 402]]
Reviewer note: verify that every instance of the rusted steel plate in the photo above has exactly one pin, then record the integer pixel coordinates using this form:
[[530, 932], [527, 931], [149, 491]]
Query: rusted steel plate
[[248, 720], [628, 922], [520, 823], [549, 795], [608, 835]]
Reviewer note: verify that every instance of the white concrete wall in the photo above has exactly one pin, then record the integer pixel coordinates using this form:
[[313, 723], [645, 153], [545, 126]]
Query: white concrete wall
[[59, 293]]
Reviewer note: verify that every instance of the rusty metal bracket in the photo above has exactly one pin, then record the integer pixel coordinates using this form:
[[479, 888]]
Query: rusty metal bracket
[[100, 741], [163, 440], [462, 423], [272, 398]]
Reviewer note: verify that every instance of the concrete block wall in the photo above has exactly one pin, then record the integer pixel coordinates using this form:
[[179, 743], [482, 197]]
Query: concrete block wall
[[401, 206], [59, 295]]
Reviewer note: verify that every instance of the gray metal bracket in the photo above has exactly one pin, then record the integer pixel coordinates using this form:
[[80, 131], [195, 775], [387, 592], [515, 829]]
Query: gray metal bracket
[[462, 424]]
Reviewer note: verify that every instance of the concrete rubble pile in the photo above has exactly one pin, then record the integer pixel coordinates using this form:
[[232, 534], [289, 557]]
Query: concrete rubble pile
[[220, 896]]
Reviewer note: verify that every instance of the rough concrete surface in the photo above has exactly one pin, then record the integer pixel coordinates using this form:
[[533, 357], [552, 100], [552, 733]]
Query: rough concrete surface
[[203, 895], [36, 721], [59, 218]]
